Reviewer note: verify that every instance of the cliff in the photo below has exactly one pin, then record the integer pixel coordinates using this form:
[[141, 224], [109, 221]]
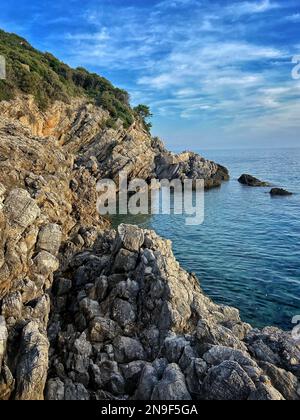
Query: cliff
[[90, 313]]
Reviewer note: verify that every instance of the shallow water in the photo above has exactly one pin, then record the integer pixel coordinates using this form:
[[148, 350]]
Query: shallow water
[[247, 251]]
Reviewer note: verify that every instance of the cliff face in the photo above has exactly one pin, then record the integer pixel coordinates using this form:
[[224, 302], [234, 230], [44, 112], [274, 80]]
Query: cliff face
[[86, 312], [80, 128]]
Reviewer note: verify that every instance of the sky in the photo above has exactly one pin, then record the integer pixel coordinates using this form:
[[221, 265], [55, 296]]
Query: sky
[[216, 74]]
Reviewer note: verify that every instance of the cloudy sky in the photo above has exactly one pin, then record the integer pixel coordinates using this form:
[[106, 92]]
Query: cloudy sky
[[217, 74]]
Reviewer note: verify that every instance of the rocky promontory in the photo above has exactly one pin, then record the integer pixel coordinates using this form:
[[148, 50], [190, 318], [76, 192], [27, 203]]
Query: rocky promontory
[[90, 313]]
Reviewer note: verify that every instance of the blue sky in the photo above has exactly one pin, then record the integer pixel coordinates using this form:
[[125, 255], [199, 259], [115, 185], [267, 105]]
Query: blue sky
[[216, 74]]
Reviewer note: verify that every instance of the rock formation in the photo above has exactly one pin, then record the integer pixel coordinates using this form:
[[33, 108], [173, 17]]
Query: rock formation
[[90, 313], [251, 181], [280, 192], [129, 323]]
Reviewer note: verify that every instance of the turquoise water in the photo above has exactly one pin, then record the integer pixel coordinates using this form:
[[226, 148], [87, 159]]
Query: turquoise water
[[247, 252]]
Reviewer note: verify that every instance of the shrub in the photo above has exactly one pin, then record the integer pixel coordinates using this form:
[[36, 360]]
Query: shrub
[[48, 79]]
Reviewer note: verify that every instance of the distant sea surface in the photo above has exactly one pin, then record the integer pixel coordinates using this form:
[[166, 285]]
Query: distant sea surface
[[246, 254]]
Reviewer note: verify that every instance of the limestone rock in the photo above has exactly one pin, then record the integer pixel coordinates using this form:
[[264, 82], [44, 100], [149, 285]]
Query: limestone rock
[[3, 339], [32, 366], [131, 237], [172, 386], [55, 390], [228, 381], [20, 208], [50, 238], [102, 329], [128, 349], [45, 263]]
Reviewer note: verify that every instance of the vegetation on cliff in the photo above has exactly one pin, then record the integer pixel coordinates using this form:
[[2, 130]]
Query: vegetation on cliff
[[42, 75]]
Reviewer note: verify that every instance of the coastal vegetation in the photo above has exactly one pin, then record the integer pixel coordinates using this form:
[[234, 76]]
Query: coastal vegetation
[[30, 71]]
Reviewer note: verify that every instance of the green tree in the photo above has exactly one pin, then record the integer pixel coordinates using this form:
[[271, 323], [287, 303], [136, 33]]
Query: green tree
[[144, 113]]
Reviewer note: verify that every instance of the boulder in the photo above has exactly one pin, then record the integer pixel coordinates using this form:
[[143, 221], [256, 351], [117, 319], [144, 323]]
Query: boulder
[[172, 387], [280, 192], [123, 313], [125, 261], [147, 381], [103, 329], [228, 381], [20, 208], [32, 365], [45, 263], [251, 181], [130, 237], [3, 339], [49, 238], [285, 382], [55, 390], [76, 392], [128, 349]]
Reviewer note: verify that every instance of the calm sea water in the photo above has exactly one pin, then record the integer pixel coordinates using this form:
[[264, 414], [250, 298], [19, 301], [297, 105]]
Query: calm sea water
[[247, 252]]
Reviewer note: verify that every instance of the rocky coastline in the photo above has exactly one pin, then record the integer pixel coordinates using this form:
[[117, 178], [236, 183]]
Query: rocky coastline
[[89, 313]]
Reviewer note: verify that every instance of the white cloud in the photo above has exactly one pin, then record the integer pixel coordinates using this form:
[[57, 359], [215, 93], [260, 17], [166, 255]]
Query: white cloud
[[247, 7], [295, 18], [89, 36], [200, 65]]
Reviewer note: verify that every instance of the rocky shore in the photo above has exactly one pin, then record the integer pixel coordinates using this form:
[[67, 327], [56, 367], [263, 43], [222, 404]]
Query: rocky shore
[[90, 313]]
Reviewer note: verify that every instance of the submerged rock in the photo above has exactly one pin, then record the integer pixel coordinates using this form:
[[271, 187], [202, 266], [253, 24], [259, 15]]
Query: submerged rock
[[251, 181], [280, 192]]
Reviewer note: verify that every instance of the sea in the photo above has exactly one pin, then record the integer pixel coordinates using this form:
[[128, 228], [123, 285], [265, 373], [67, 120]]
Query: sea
[[246, 254]]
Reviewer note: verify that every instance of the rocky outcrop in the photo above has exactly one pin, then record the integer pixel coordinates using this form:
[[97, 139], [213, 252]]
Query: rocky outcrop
[[280, 192], [139, 327], [90, 313], [80, 128], [251, 181]]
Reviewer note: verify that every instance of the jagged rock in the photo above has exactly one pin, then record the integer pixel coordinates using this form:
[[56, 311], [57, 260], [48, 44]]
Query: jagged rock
[[101, 287], [7, 383], [132, 373], [218, 354], [82, 346], [251, 181], [45, 263], [62, 286], [110, 378], [90, 308], [122, 308], [125, 261], [228, 381], [32, 366], [12, 306], [103, 329], [76, 392], [123, 313], [265, 393], [50, 238], [148, 380], [276, 347], [280, 192], [3, 339], [195, 375], [174, 347], [130, 237], [285, 382], [128, 349], [20, 208], [55, 390], [172, 386]]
